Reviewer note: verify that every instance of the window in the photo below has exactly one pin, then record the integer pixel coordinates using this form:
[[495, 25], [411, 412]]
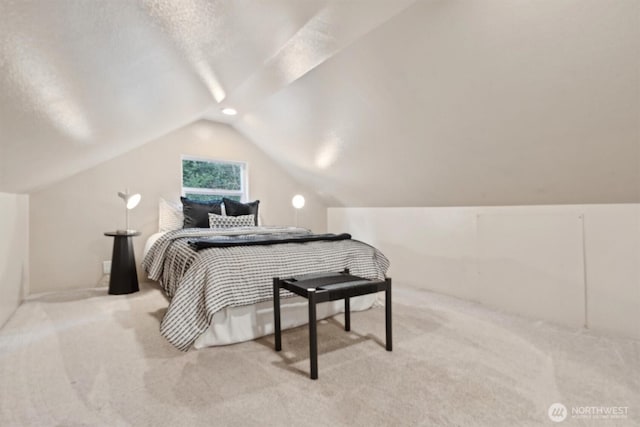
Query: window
[[207, 180]]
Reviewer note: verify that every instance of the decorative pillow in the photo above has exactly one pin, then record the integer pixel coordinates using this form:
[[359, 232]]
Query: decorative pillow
[[196, 213], [221, 221], [170, 216], [233, 208]]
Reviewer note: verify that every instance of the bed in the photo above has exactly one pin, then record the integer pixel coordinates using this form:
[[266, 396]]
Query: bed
[[223, 295]]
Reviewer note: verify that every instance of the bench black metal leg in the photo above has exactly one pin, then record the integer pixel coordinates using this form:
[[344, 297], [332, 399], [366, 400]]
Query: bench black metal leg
[[313, 335], [347, 314], [276, 313], [387, 306]]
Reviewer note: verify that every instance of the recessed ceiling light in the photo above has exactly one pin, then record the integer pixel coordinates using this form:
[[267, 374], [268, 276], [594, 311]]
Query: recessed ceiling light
[[229, 111]]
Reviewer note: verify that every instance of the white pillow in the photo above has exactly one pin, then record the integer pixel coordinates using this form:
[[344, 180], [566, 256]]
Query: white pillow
[[220, 221], [170, 216]]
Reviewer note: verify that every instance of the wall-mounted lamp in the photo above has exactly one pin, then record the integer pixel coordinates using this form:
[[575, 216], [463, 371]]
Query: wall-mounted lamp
[[130, 202], [298, 203]]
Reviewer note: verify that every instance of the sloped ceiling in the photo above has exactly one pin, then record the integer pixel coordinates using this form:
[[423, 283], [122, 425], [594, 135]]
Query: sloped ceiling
[[370, 102]]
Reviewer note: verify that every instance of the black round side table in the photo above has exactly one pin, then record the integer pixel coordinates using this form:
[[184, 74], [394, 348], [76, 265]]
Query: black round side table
[[124, 277]]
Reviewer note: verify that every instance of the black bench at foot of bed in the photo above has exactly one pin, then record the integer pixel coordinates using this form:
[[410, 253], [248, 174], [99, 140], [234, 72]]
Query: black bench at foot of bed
[[322, 287]]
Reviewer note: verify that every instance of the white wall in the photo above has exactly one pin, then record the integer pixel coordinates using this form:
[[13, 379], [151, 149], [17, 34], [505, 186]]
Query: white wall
[[68, 218], [469, 103], [14, 247], [570, 264]]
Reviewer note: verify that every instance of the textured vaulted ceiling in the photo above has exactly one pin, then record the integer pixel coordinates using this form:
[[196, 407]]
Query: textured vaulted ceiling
[[370, 102]]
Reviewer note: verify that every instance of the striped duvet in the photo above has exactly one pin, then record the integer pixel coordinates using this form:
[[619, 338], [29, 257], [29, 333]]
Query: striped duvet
[[201, 283]]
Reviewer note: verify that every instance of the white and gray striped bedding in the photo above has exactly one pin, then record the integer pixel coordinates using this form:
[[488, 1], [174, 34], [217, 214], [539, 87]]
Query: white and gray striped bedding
[[204, 282]]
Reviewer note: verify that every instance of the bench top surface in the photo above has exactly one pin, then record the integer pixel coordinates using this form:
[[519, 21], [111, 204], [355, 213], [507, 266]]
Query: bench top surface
[[326, 282]]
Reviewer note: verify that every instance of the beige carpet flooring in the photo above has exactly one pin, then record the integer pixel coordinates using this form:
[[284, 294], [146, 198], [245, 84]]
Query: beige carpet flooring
[[83, 358]]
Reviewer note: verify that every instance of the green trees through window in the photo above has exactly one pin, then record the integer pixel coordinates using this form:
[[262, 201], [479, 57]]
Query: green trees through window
[[215, 175], [207, 180], [210, 198]]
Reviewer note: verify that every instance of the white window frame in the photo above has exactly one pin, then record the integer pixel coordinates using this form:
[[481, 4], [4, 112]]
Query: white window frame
[[244, 182]]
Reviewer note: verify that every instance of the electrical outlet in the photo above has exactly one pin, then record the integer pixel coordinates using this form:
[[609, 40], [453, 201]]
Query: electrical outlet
[[106, 267]]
